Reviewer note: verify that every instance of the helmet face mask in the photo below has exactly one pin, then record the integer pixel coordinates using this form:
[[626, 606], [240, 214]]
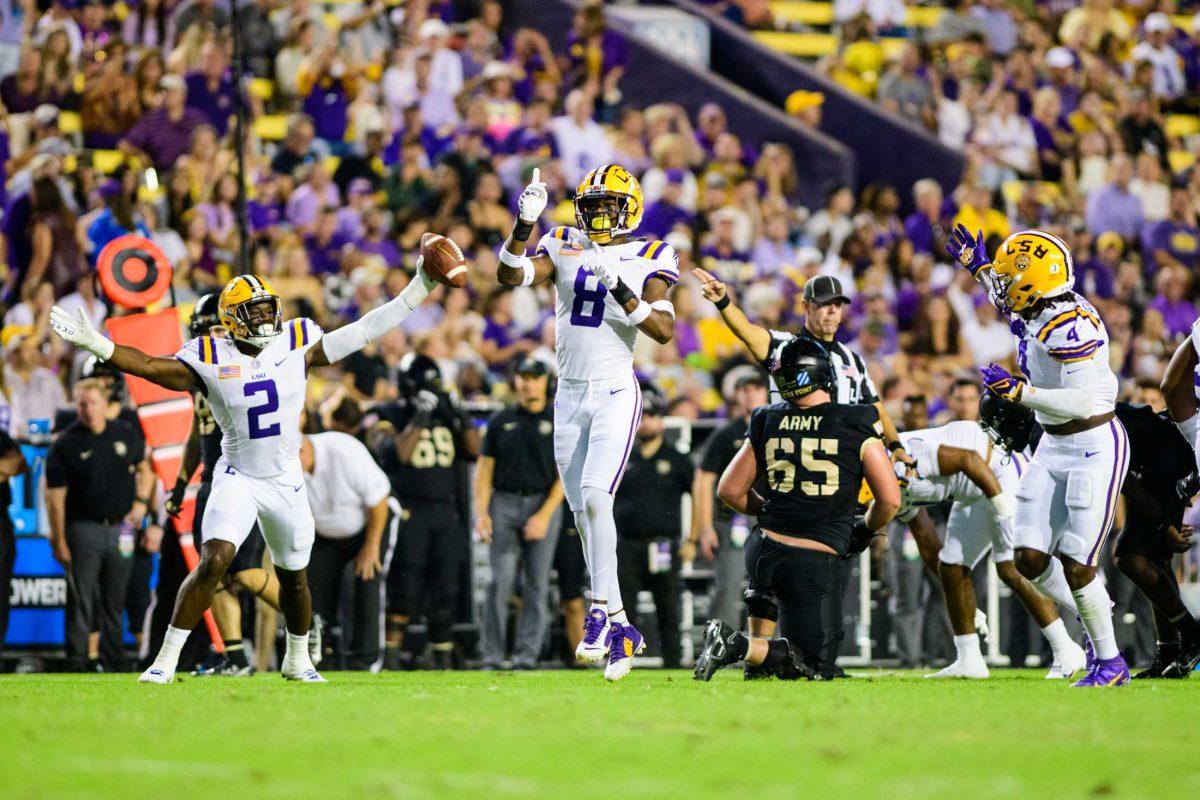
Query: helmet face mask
[[608, 203], [251, 312]]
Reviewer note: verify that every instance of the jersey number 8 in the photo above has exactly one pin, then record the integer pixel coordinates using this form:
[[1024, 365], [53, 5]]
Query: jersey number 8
[[781, 472]]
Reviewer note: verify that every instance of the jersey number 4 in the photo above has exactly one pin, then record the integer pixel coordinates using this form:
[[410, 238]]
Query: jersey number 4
[[256, 413], [781, 471]]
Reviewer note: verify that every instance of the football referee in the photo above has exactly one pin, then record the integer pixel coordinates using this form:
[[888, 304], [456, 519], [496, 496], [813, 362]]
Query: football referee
[[824, 306], [518, 512]]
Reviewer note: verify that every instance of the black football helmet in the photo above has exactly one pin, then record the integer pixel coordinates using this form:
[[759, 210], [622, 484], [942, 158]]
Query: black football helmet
[[1011, 426], [205, 316], [420, 373], [105, 372], [802, 366], [654, 403]]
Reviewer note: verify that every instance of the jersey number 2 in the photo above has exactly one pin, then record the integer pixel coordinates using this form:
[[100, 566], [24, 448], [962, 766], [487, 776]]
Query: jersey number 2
[[256, 413], [583, 294], [781, 473]]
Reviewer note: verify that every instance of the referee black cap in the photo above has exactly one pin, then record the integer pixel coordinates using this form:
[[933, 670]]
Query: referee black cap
[[824, 289]]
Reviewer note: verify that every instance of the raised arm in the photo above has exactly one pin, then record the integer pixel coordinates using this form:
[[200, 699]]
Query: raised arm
[[169, 373], [516, 267], [756, 338]]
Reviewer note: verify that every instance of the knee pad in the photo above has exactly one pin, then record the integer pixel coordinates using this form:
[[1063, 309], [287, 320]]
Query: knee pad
[[596, 502], [761, 605]]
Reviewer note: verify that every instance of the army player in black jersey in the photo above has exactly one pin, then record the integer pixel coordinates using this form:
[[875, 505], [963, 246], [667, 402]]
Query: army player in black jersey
[[203, 446], [814, 455], [419, 442]]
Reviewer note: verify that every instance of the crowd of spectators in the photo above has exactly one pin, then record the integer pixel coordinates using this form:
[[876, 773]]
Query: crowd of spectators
[[370, 124]]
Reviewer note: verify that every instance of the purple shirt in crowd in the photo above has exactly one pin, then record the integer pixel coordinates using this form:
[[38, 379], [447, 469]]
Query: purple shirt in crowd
[[1178, 315], [385, 248], [325, 258], [1181, 242], [327, 104], [219, 105], [1111, 208], [660, 217], [165, 139], [263, 215], [1095, 278]]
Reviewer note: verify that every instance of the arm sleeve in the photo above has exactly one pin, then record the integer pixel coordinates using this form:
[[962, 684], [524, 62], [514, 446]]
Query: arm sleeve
[[1074, 338], [375, 323]]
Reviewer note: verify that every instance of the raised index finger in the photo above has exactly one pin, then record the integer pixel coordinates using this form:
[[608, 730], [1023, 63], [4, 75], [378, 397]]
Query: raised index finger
[[537, 175]]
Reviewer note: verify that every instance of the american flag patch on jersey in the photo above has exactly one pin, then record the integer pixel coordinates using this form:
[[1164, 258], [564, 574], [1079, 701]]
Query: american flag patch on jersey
[[229, 371]]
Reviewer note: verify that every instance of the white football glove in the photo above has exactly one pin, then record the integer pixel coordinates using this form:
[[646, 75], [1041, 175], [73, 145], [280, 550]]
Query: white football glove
[[79, 332], [533, 200], [426, 401], [593, 259]]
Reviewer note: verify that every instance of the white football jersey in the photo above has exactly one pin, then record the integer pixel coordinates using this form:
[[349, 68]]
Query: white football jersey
[[933, 487], [256, 400], [1195, 338], [1066, 346], [594, 337]]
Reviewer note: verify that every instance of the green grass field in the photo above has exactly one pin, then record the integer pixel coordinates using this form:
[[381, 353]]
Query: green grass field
[[655, 735]]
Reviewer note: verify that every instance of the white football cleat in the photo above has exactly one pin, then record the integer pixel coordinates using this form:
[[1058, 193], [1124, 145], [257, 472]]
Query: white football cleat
[[960, 669], [157, 674], [304, 675], [981, 624], [1067, 663], [597, 634]]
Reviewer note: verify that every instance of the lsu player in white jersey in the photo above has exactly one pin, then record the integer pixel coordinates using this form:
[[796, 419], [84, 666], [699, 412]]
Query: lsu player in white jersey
[[255, 383], [610, 285], [958, 463], [1068, 495]]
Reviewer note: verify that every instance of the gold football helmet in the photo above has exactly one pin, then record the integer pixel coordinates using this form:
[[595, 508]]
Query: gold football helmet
[[608, 203], [1031, 266], [238, 313]]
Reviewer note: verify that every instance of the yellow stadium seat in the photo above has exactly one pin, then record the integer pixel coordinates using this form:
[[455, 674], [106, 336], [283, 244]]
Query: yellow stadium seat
[[923, 16], [271, 127], [262, 88], [801, 45], [1180, 160], [1180, 125], [69, 122], [107, 161], [803, 12]]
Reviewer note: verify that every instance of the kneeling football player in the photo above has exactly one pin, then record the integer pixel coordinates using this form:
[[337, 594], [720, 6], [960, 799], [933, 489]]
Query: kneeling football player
[[813, 454]]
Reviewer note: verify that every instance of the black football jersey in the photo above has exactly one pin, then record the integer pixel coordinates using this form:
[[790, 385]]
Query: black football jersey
[[1158, 454], [430, 473], [210, 436], [811, 459]]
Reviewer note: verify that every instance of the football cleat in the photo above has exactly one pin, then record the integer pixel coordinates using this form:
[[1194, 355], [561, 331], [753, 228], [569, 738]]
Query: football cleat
[[1067, 663], [305, 675], [597, 633], [793, 667], [1185, 662], [626, 642], [716, 653], [756, 672], [1106, 672], [1164, 659], [963, 669], [157, 674], [212, 665]]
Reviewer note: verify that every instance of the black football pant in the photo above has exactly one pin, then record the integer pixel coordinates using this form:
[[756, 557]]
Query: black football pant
[[633, 569], [427, 564], [806, 584]]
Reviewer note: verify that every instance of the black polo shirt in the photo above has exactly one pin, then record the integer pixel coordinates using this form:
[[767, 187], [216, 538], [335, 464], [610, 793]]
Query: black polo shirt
[[719, 451], [523, 445], [7, 445], [99, 471], [647, 505]]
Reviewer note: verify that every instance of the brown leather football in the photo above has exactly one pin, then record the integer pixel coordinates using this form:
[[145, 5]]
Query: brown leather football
[[444, 260]]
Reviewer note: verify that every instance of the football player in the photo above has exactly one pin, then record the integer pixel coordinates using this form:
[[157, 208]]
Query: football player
[[958, 463], [814, 454], [610, 285], [1068, 494], [203, 446], [255, 383]]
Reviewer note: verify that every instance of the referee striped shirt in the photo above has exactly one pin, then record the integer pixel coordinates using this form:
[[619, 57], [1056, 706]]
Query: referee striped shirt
[[854, 384]]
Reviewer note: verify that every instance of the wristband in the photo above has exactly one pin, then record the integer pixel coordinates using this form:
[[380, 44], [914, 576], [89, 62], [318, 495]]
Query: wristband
[[521, 262], [640, 312], [895, 445], [622, 293], [664, 305], [722, 304], [1004, 505], [521, 230]]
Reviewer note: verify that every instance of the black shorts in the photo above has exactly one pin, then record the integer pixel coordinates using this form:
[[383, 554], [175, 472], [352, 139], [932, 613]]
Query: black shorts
[[249, 555], [1139, 539], [806, 585]]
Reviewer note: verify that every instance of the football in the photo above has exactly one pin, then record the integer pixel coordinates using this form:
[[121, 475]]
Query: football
[[444, 261]]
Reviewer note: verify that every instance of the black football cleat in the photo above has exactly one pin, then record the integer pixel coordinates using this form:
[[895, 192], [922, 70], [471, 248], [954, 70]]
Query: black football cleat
[[793, 667], [1164, 658], [1185, 662], [716, 653], [757, 672]]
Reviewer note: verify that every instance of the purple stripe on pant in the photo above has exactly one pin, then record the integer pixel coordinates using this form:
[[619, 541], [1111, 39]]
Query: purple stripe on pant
[[633, 426], [1121, 446]]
